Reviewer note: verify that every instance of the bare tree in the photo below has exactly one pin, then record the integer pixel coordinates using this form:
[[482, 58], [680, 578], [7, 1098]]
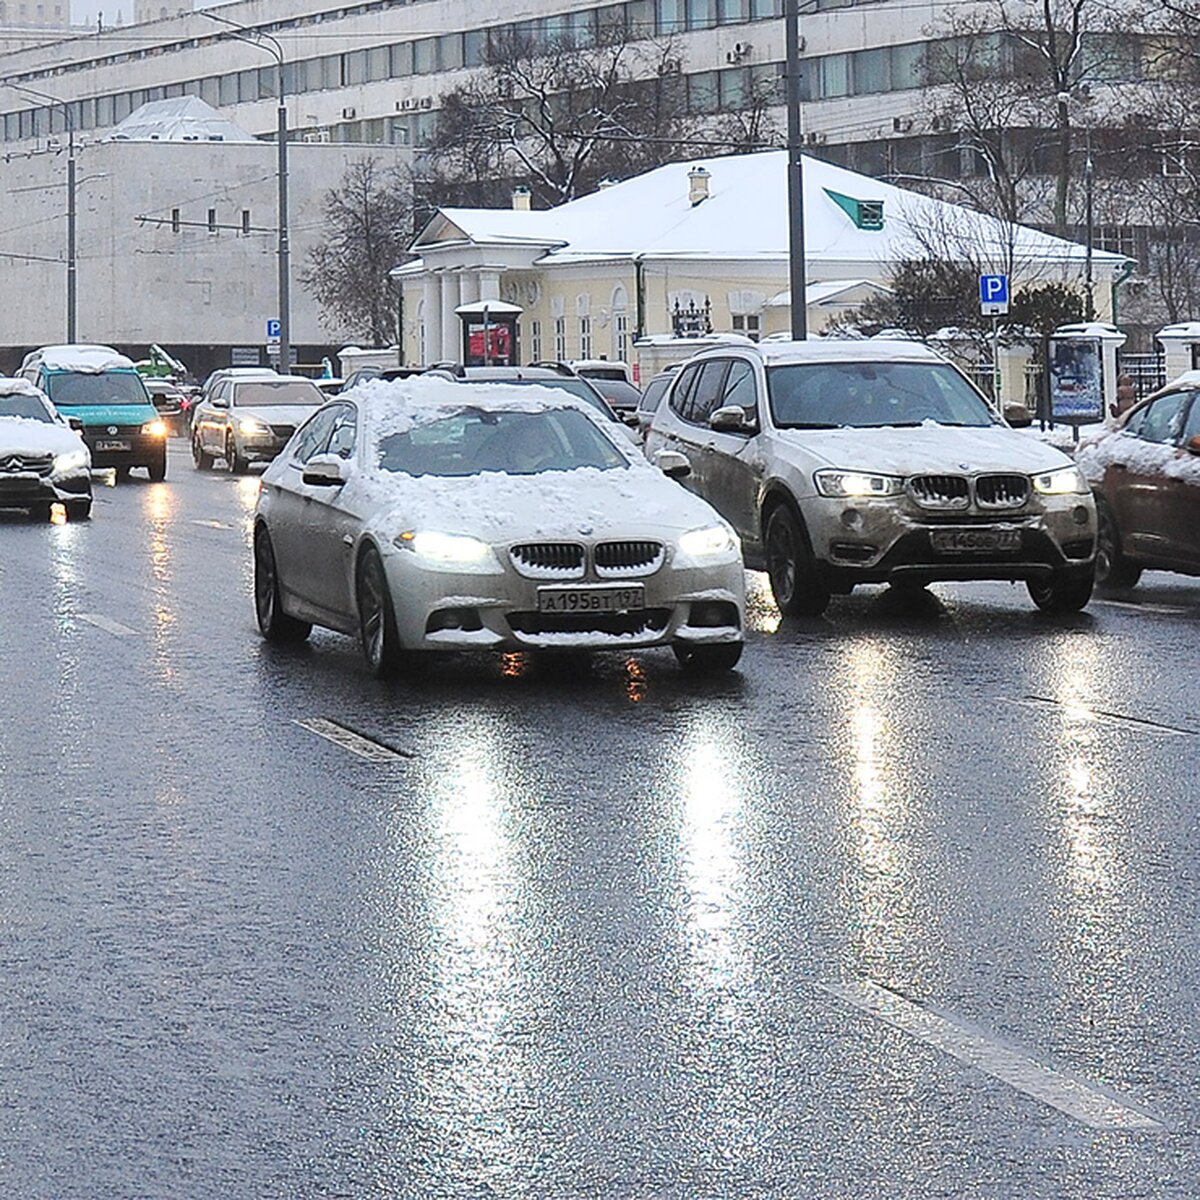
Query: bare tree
[[368, 224]]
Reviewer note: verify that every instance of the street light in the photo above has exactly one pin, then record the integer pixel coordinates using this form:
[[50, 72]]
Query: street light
[[796, 267], [265, 41], [69, 121]]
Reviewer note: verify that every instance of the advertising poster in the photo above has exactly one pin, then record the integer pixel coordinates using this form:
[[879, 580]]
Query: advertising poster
[[490, 344], [1076, 381]]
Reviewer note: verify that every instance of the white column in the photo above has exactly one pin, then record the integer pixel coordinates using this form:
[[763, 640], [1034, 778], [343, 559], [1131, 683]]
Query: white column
[[451, 325], [489, 285], [431, 317], [468, 287]]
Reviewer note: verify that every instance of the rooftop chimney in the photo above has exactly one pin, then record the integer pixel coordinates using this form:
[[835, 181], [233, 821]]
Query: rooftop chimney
[[521, 199], [698, 179]]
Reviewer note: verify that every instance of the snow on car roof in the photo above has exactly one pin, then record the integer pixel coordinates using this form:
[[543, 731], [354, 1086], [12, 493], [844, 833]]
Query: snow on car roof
[[87, 359], [19, 387]]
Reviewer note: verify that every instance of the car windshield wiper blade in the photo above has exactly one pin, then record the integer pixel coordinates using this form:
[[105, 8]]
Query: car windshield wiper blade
[[809, 425]]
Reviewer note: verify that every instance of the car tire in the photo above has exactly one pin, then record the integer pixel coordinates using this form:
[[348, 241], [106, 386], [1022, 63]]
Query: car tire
[[798, 589], [79, 510], [233, 460], [714, 659], [122, 474], [1065, 591], [377, 617], [158, 470], [200, 456], [274, 624], [1113, 569]]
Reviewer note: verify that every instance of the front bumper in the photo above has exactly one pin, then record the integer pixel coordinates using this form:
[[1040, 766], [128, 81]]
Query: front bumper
[[25, 488], [144, 450], [498, 609], [879, 541]]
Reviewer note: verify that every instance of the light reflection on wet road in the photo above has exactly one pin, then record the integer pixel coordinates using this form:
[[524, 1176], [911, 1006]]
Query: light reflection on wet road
[[575, 941]]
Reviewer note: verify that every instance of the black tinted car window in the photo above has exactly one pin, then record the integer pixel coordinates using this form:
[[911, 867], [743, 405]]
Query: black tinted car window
[[1162, 420], [653, 394], [706, 395], [683, 385], [1191, 427], [739, 386]]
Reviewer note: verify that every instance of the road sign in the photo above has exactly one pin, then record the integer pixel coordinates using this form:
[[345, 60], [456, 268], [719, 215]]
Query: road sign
[[993, 295], [274, 332]]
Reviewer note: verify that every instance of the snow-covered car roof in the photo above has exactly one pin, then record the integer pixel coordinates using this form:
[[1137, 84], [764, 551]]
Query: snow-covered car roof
[[19, 387], [90, 360], [825, 350]]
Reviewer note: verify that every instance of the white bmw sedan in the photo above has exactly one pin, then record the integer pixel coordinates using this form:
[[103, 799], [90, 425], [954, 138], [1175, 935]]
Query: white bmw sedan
[[422, 519]]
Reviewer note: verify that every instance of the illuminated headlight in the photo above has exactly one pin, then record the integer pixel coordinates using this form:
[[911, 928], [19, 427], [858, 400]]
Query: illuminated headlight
[[251, 427], [73, 460], [453, 549], [155, 429], [709, 542], [845, 484], [1068, 481]]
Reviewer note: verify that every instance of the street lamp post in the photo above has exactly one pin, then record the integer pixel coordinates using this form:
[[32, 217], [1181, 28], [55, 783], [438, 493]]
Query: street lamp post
[[1088, 192], [796, 267], [265, 41], [72, 256]]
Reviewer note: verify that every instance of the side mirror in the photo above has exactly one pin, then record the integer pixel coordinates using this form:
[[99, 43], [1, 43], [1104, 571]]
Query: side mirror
[[673, 464], [76, 424], [731, 419], [326, 470], [219, 402], [1192, 445]]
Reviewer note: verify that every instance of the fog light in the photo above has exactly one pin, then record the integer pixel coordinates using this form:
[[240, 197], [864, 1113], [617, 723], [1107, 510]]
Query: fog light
[[466, 620], [713, 614], [1080, 514], [852, 518]]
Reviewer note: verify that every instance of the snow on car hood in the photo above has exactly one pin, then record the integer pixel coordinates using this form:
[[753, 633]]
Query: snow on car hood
[[1140, 457], [20, 435], [929, 448], [276, 414], [588, 502]]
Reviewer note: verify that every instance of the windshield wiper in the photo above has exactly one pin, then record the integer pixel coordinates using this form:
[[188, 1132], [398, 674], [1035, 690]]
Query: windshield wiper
[[809, 425]]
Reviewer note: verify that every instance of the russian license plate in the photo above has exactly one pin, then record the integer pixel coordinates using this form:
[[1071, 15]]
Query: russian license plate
[[975, 541], [110, 444], [591, 599]]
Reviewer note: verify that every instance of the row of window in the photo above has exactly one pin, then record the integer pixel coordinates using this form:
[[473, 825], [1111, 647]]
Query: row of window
[[717, 383], [585, 344], [402, 60]]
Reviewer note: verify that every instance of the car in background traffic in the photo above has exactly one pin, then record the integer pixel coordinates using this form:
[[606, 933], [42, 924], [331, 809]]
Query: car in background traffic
[[623, 398], [848, 462], [248, 419], [362, 374], [43, 460], [602, 368], [651, 398], [1146, 476], [170, 402], [104, 392], [424, 519]]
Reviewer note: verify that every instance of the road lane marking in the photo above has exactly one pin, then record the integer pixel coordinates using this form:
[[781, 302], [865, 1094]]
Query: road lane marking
[[113, 627], [1077, 1099], [1100, 714], [349, 739], [213, 524], [1165, 610]]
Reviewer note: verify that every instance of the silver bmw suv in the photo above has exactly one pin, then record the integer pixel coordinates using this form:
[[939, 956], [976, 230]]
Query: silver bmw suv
[[847, 462]]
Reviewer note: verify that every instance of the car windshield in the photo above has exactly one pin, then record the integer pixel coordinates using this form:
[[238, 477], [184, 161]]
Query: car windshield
[[107, 387], [29, 407], [515, 443], [563, 383], [263, 393], [869, 395], [618, 393]]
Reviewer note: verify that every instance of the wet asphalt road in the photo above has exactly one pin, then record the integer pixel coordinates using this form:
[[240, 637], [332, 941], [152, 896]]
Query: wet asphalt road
[[590, 933]]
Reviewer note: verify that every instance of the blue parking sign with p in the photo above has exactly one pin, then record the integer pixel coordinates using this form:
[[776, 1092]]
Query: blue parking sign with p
[[993, 294], [274, 330]]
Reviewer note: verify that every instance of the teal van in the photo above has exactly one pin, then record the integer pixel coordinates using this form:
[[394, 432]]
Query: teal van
[[102, 390]]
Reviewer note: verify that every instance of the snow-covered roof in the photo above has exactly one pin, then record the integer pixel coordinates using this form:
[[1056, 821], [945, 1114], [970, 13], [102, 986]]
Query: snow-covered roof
[[181, 119], [745, 217], [18, 387], [1184, 331], [87, 359], [1091, 329], [829, 292]]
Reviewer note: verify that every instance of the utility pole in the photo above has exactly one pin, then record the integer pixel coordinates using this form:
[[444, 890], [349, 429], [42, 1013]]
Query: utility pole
[[1089, 311], [797, 274], [265, 41]]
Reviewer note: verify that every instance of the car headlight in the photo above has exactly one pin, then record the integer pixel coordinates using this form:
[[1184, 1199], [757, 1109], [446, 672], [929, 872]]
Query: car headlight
[[73, 460], [1065, 482], [844, 484], [155, 428], [708, 542], [451, 548], [249, 425]]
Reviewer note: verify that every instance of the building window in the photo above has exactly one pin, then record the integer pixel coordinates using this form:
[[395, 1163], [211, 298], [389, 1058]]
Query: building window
[[560, 338], [621, 336], [175, 222], [1117, 239], [748, 323], [535, 340], [246, 221], [212, 220], [585, 337]]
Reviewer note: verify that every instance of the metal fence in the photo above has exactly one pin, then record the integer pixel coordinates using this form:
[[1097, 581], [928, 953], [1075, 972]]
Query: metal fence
[[1149, 371]]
